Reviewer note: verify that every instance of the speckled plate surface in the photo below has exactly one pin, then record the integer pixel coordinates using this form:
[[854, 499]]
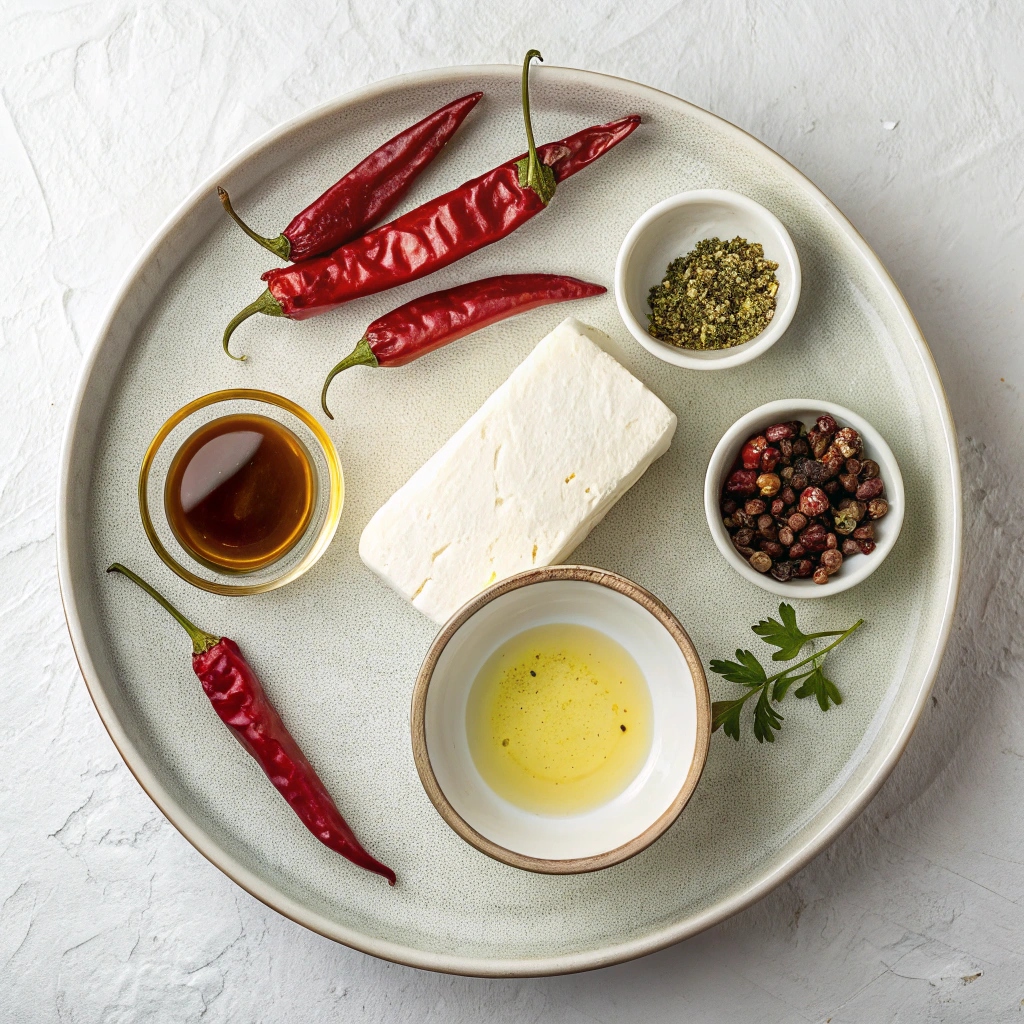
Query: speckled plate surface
[[339, 652]]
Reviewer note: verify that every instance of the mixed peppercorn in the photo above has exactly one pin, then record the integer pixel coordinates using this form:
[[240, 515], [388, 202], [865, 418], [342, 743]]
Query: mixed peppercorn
[[798, 502]]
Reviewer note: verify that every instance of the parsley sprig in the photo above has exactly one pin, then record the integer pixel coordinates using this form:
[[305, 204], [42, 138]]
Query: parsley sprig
[[746, 670]]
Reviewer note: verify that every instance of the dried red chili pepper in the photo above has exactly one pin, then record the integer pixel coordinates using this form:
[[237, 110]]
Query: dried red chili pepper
[[427, 323], [439, 232], [242, 705], [370, 190]]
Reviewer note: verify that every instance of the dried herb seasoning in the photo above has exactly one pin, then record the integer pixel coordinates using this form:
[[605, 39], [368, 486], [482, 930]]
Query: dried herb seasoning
[[718, 295]]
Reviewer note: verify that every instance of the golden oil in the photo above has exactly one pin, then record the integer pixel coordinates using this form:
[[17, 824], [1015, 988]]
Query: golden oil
[[559, 719]]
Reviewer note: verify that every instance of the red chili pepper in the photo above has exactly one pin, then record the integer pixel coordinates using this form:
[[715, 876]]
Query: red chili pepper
[[240, 702], [369, 191], [439, 232], [427, 323]]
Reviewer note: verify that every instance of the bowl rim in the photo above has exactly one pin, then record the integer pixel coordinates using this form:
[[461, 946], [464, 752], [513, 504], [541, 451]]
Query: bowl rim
[[421, 756], [335, 484], [738, 354], [776, 410]]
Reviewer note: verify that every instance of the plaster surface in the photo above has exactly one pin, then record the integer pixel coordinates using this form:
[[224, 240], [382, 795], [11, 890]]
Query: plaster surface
[[908, 116]]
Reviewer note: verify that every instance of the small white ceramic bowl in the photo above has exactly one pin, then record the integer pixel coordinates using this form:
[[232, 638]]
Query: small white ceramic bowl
[[887, 529], [671, 229], [681, 720]]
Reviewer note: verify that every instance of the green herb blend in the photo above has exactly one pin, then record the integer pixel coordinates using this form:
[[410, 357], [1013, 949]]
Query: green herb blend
[[718, 295]]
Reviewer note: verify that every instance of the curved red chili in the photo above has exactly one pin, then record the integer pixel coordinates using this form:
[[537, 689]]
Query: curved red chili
[[242, 705], [371, 189], [427, 323], [437, 233]]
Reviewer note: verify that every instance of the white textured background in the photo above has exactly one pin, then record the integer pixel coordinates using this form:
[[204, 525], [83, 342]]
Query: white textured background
[[909, 115]]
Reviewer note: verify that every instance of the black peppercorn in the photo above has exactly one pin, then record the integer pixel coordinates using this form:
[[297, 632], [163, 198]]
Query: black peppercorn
[[743, 537], [782, 571]]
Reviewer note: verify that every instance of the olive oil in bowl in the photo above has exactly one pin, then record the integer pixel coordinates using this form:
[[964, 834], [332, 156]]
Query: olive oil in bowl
[[240, 492], [559, 719]]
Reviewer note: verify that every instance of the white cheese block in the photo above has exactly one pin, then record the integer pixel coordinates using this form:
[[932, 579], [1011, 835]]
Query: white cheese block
[[524, 480]]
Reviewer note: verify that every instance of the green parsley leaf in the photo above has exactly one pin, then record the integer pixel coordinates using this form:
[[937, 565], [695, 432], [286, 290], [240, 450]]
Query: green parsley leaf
[[725, 715], [816, 685], [766, 718], [783, 683], [746, 670], [786, 635]]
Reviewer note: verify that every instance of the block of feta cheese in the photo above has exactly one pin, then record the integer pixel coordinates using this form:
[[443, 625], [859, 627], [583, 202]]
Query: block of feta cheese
[[525, 479]]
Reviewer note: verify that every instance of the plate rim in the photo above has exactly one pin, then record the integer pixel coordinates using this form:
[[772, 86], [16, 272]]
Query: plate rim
[[386, 949]]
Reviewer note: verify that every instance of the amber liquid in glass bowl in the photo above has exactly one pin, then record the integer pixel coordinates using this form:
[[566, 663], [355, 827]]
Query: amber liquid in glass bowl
[[240, 492]]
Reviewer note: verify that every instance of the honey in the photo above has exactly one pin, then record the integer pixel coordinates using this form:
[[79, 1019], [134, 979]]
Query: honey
[[559, 719], [240, 492]]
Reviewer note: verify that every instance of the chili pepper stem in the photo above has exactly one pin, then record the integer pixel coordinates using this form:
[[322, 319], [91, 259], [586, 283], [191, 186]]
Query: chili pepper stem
[[361, 355], [266, 304], [532, 173], [279, 246], [201, 640]]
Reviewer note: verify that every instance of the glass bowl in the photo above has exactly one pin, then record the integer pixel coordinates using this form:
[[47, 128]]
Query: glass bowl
[[807, 410], [329, 487]]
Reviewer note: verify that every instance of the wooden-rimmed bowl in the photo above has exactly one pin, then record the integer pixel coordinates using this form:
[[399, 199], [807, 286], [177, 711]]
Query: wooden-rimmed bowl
[[681, 720]]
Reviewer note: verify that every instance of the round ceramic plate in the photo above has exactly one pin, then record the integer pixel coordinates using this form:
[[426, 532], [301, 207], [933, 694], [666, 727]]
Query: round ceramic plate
[[339, 652]]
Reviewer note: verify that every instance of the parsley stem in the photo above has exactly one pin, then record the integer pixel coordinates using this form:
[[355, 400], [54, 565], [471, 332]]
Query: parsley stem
[[760, 688], [842, 634], [822, 652]]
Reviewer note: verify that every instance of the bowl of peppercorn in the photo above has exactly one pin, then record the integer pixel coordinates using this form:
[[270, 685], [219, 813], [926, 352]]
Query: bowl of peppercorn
[[707, 279], [803, 498]]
